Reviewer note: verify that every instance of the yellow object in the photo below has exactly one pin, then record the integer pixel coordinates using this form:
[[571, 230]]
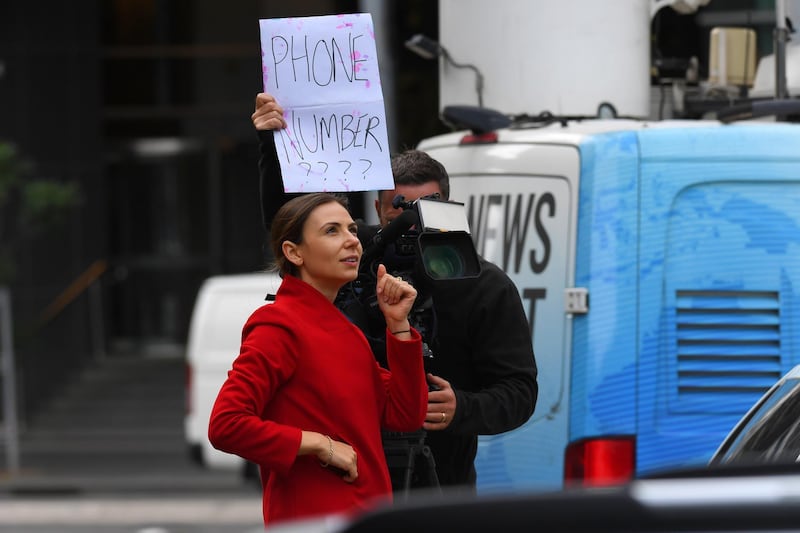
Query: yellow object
[[732, 57]]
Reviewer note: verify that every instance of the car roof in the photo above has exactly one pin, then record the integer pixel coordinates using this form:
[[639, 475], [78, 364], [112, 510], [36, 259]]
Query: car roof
[[745, 502]]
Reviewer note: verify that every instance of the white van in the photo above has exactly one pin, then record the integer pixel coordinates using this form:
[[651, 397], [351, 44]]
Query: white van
[[223, 305]]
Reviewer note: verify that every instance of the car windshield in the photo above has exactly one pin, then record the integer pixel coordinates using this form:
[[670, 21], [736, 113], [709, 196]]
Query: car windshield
[[772, 433]]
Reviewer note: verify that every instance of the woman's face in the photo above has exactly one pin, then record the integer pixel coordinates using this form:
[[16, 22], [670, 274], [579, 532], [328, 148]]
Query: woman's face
[[330, 252]]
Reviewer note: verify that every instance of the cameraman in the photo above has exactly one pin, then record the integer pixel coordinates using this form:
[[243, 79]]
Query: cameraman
[[483, 363]]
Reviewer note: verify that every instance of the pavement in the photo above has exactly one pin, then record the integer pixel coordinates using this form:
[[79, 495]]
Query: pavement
[[208, 511], [100, 495], [123, 475], [27, 483]]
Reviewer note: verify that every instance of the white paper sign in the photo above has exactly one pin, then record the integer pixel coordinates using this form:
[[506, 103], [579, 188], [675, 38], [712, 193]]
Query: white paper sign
[[324, 73]]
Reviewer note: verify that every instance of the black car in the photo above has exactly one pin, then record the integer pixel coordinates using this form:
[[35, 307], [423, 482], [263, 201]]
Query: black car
[[770, 431], [747, 502]]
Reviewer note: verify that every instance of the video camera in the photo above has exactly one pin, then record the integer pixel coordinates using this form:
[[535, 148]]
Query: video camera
[[428, 242]]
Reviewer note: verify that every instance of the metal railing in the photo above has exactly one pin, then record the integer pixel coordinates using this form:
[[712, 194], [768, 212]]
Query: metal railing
[[87, 282], [9, 378]]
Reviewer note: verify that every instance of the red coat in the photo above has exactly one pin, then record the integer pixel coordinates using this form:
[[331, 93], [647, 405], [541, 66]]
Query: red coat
[[304, 366]]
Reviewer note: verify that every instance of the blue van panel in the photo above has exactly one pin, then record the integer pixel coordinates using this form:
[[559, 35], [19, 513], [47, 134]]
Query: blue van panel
[[722, 234], [692, 260], [603, 398]]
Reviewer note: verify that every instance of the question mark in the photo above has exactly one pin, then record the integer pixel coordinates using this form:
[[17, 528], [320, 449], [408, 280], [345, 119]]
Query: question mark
[[326, 166], [369, 166], [306, 165], [348, 163]]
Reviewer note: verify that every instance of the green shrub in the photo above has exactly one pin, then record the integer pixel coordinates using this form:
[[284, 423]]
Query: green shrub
[[28, 205]]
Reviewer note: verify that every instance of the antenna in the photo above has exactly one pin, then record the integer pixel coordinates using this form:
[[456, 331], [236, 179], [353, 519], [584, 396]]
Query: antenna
[[427, 48]]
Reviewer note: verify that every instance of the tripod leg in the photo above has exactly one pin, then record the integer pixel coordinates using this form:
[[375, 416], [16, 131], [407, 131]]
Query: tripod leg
[[433, 479], [409, 473]]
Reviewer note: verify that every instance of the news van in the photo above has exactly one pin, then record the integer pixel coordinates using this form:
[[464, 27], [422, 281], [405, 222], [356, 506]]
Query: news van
[[659, 264], [223, 305]]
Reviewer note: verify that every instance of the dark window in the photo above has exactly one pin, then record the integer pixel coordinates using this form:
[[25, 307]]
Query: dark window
[[772, 433]]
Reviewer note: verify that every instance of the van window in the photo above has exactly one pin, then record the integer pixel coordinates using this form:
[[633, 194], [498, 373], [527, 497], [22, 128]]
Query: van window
[[772, 434]]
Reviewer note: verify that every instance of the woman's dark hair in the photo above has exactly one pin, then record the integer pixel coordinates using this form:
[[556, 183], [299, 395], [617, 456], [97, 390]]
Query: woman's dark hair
[[289, 222]]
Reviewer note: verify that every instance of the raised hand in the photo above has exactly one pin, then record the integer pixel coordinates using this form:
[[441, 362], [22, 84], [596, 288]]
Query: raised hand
[[268, 114], [395, 298]]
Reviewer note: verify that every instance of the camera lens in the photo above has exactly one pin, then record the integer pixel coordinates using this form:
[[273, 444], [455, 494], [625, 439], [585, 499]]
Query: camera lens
[[443, 261]]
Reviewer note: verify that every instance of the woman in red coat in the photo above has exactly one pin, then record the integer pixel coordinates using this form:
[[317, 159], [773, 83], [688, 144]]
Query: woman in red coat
[[305, 399]]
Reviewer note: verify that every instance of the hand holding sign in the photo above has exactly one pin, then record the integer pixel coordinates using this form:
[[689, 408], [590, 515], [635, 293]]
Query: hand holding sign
[[324, 72], [268, 114]]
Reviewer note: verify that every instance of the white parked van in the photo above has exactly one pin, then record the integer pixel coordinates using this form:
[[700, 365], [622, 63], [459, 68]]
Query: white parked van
[[223, 305]]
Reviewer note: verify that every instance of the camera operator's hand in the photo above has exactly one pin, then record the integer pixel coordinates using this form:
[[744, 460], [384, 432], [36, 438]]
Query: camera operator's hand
[[268, 115], [395, 298], [441, 404]]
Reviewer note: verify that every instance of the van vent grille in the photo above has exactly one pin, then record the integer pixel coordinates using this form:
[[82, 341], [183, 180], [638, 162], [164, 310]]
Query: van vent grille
[[727, 341]]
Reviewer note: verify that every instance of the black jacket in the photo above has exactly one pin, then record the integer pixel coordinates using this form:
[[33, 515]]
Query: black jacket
[[480, 340]]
